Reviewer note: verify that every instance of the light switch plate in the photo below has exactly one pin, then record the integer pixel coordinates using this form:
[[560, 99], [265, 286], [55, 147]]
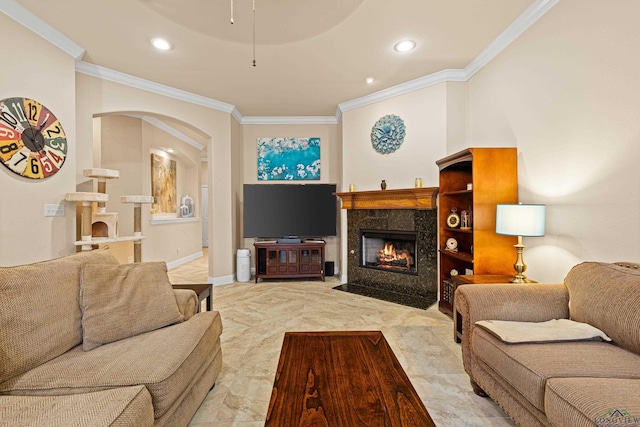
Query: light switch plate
[[53, 210]]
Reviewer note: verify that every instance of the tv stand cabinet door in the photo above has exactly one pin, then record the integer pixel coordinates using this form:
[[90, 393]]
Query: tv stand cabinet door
[[290, 261], [311, 260], [282, 261], [277, 260]]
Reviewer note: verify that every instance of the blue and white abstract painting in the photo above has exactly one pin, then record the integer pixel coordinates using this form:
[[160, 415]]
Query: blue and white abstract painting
[[288, 159]]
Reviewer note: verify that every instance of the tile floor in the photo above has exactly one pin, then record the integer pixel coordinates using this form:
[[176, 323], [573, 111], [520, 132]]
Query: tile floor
[[256, 316]]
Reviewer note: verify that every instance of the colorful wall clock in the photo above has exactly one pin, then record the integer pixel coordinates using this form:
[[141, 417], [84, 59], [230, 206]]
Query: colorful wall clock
[[32, 141]]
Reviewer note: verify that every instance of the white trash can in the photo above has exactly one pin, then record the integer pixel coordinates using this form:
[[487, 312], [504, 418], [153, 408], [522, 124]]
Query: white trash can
[[243, 265]]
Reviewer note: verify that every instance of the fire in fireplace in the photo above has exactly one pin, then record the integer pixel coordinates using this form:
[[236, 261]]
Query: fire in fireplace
[[393, 251]]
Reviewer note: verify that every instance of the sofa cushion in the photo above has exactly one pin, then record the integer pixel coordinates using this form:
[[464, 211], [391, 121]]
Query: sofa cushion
[[607, 296], [581, 402], [125, 406], [527, 367], [39, 310], [165, 361], [120, 301]]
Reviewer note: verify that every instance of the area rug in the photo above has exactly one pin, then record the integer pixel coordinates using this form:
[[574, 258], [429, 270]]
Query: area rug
[[414, 301]]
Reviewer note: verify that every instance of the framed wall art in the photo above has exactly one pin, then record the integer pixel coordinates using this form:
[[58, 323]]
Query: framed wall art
[[163, 185]]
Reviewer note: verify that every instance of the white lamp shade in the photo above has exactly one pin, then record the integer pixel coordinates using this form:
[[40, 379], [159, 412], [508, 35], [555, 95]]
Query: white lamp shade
[[520, 220]]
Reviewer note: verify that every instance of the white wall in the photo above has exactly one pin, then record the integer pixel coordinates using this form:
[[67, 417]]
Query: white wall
[[566, 93], [25, 234]]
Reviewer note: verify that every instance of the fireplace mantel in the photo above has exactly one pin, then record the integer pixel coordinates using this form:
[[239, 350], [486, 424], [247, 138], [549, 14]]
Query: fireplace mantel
[[409, 198]]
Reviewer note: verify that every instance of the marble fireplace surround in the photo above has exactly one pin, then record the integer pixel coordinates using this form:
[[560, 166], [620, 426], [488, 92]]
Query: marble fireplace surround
[[406, 210]]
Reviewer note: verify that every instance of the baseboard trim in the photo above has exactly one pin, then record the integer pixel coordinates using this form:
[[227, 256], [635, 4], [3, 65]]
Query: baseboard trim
[[184, 260], [224, 280]]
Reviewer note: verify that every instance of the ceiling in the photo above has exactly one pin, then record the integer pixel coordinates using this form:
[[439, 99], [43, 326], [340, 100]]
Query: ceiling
[[311, 55]]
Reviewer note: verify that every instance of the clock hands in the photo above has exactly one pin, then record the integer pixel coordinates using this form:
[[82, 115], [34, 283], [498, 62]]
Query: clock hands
[[34, 143]]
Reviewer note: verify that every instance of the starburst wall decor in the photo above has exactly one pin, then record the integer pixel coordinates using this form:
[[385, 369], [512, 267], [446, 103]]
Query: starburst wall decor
[[388, 134]]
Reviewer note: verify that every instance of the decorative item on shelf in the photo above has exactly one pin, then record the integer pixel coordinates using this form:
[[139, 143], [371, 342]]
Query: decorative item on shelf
[[465, 220], [453, 272], [383, 185], [352, 188], [468, 272], [186, 206], [452, 244], [32, 143], [387, 134], [469, 186], [418, 182], [520, 220], [453, 220]]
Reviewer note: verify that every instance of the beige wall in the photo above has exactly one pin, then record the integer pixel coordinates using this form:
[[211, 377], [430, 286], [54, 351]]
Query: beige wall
[[97, 97], [330, 173], [237, 152], [125, 145], [424, 113], [26, 235], [566, 94]]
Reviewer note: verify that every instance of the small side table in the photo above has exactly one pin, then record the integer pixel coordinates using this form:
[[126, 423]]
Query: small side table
[[481, 279], [202, 289]]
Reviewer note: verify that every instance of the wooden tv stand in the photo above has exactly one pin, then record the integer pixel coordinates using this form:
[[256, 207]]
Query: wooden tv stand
[[289, 260]]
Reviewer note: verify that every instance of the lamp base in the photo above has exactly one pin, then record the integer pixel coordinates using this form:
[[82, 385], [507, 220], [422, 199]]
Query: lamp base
[[520, 266], [521, 279]]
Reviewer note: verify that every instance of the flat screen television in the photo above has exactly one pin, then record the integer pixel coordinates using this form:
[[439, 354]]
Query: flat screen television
[[289, 210]]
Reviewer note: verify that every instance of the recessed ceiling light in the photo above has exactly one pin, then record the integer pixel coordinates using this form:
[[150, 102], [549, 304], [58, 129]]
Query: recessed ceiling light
[[404, 46], [370, 80], [161, 44], [169, 150]]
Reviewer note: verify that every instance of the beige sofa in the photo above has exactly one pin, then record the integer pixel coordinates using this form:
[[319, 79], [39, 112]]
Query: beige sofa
[[86, 341], [559, 383]]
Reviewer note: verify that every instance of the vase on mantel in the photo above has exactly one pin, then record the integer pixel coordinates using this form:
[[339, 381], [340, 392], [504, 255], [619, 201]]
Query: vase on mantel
[[383, 185]]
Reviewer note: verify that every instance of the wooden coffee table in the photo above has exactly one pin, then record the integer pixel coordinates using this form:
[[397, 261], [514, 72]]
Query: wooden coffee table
[[342, 379]]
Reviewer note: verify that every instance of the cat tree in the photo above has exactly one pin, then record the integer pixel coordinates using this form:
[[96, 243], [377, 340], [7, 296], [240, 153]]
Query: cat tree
[[101, 227]]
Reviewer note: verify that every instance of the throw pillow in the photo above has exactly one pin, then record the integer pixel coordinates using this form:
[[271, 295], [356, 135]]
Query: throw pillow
[[120, 301]]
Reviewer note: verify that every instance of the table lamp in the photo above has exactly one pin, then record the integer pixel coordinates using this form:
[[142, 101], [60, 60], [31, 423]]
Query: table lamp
[[520, 220]]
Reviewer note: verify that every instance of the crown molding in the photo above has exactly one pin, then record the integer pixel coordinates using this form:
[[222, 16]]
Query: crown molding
[[289, 120], [30, 21], [236, 115], [22, 15], [149, 86], [455, 75], [512, 32], [338, 114], [173, 132]]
